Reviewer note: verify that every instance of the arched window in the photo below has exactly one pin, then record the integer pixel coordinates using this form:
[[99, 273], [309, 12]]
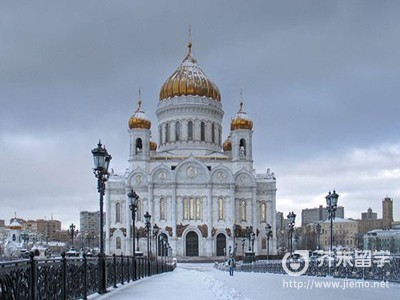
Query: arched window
[[242, 147], [213, 133], [202, 131], [167, 133], [263, 244], [198, 209], [191, 208], [185, 208], [162, 209], [220, 209], [190, 130], [117, 212], [177, 131], [118, 243], [161, 135], [139, 146], [139, 211], [219, 136], [263, 212], [243, 210]]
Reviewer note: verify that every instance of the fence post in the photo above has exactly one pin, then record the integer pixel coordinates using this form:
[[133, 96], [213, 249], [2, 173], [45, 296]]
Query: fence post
[[122, 269], [115, 270], [33, 281], [127, 263], [64, 277], [84, 277]]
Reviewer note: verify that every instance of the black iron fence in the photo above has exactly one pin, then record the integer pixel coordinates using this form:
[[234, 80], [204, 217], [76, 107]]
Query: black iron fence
[[388, 271], [70, 278]]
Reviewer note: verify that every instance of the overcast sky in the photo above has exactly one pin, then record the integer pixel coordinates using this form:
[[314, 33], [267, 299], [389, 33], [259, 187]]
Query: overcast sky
[[320, 80]]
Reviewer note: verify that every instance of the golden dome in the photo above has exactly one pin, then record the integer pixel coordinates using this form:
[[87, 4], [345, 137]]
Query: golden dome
[[227, 145], [241, 120], [189, 79], [139, 119], [152, 144]]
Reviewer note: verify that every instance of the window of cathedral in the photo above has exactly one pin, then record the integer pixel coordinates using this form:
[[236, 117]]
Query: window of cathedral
[[162, 209], [139, 146], [118, 243], [213, 133], [220, 136], [160, 133], [191, 208], [185, 209], [243, 210], [242, 147], [264, 243], [139, 211], [220, 209], [190, 130], [263, 213], [177, 131], [202, 131], [117, 212], [167, 133]]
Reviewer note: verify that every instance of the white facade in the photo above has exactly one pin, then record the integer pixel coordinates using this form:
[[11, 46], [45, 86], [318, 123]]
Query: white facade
[[195, 186]]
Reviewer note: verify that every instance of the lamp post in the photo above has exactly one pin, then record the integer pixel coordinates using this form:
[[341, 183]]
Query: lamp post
[[133, 206], [71, 231], [291, 219], [243, 243], [318, 228], [249, 231], [101, 163], [156, 229], [137, 241], [147, 218], [331, 205], [268, 234], [253, 237]]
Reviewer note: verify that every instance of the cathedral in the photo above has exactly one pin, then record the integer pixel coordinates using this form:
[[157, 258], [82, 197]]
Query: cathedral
[[200, 189]]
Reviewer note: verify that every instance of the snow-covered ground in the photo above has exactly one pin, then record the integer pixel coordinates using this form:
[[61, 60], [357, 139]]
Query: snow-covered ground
[[203, 282]]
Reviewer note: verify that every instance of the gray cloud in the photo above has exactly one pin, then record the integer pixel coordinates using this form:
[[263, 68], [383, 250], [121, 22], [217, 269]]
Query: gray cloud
[[319, 80]]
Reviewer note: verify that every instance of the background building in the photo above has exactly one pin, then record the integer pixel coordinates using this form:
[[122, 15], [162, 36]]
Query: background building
[[201, 190], [383, 240], [344, 234], [311, 215]]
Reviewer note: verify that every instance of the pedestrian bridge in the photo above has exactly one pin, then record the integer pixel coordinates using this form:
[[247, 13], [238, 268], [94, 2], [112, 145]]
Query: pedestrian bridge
[[72, 278]]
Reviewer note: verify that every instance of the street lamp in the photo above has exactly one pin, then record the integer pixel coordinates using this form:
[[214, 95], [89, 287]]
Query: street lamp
[[331, 205], [253, 237], [291, 219], [318, 228], [147, 218], [156, 229], [101, 160], [133, 206], [243, 243], [72, 233], [268, 234]]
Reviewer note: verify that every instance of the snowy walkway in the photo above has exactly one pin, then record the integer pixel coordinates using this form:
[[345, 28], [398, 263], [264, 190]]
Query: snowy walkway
[[203, 282]]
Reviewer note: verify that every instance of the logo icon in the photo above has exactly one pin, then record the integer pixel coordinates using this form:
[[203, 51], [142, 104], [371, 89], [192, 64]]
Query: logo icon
[[296, 264]]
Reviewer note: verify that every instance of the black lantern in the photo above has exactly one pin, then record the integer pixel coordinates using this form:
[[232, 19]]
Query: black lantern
[[133, 206]]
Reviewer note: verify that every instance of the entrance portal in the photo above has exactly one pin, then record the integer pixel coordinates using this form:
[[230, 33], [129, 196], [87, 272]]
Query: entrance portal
[[192, 244], [221, 244]]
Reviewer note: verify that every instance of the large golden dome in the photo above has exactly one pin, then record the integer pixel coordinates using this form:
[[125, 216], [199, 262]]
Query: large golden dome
[[241, 120], [189, 79], [139, 119], [152, 144]]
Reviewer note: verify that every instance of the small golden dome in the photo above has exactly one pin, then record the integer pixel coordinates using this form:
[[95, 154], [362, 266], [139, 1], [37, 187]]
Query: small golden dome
[[139, 119], [227, 145], [241, 120], [152, 144], [189, 79]]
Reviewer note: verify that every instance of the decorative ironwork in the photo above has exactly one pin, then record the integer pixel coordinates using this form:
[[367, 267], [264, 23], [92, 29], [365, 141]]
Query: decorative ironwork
[[69, 278]]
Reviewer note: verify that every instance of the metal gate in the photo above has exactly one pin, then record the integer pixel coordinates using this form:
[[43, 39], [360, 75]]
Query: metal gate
[[192, 244]]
